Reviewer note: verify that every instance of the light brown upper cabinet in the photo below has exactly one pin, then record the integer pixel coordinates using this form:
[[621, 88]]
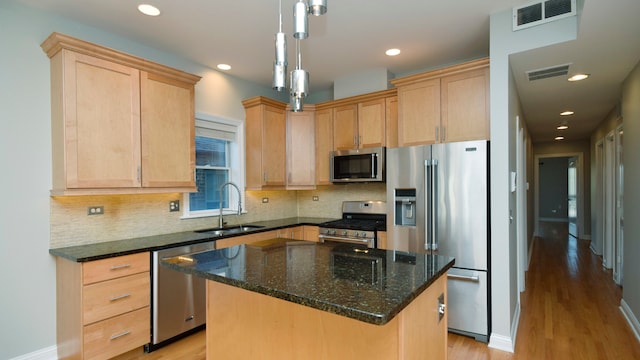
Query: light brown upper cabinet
[[445, 105], [359, 125], [120, 124], [266, 131], [324, 144], [391, 121], [301, 158]]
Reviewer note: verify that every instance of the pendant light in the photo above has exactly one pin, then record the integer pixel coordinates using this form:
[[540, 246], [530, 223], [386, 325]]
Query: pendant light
[[299, 82], [317, 7], [300, 20], [280, 64]]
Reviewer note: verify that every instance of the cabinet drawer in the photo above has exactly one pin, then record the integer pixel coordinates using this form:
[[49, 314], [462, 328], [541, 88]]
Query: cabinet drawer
[[108, 338], [115, 267], [114, 297]]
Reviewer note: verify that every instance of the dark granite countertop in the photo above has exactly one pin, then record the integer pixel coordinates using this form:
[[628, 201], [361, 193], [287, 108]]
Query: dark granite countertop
[[328, 276], [91, 252]]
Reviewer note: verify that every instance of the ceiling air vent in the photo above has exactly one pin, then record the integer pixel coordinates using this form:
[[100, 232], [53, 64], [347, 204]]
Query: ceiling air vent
[[542, 12], [559, 70]]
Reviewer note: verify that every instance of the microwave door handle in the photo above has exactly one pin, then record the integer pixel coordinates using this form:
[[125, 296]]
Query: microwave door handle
[[373, 165]]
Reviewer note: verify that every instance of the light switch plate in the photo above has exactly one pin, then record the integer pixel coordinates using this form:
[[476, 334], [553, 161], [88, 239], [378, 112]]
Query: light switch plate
[[174, 205]]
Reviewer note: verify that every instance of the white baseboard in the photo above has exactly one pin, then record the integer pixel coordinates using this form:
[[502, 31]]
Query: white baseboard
[[554, 219], [501, 342], [631, 318], [507, 343], [49, 353]]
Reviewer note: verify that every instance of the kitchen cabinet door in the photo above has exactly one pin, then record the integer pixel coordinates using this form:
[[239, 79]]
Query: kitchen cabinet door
[[168, 132], [324, 145], [419, 113], [391, 120], [371, 123], [345, 123], [301, 169], [465, 106], [120, 124], [265, 121], [95, 123]]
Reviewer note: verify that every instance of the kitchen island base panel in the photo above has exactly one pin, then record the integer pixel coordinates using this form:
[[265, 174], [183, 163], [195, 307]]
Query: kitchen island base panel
[[242, 324]]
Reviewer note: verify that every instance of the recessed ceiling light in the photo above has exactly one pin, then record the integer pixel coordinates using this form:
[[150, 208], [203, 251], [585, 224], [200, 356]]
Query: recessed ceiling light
[[578, 77], [148, 9], [562, 127], [224, 67], [392, 52], [559, 138], [566, 113]]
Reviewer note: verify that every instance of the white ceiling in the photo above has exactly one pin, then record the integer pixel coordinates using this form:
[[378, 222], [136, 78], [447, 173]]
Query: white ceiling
[[353, 35]]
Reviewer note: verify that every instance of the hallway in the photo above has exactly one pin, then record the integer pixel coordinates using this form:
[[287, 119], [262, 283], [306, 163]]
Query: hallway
[[569, 309]]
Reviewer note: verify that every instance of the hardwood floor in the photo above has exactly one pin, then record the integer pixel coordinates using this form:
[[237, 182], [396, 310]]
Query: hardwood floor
[[569, 311]]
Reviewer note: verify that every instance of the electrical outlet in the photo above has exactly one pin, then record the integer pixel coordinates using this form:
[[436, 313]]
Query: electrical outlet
[[315, 198], [174, 205], [265, 200], [95, 210]]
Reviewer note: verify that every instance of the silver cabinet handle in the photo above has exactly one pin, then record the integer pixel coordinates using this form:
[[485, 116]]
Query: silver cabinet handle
[[464, 278], [118, 267], [441, 307], [115, 336], [116, 298]]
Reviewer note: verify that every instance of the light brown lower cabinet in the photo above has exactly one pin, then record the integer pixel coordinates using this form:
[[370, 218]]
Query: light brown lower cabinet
[[102, 306], [271, 328]]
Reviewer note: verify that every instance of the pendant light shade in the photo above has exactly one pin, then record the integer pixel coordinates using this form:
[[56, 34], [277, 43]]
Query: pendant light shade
[[299, 83], [280, 65], [279, 77], [300, 20], [317, 7], [296, 104]]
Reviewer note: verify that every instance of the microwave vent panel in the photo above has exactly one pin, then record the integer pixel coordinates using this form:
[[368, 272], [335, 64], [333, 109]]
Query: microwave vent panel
[[542, 12]]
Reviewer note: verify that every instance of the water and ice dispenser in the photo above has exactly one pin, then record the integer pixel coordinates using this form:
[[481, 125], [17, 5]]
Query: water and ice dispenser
[[405, 202]]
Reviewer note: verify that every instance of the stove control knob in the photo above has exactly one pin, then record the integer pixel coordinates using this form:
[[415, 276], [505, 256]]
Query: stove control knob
[[344, 232], [333, 232], [326, 231], [363, 234], [356, 234]]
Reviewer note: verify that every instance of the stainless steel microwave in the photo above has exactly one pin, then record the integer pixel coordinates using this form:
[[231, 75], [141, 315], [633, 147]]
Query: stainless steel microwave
[[361, 165]]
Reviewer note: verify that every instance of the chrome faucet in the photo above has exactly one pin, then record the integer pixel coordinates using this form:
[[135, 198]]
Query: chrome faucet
[[239, 200]]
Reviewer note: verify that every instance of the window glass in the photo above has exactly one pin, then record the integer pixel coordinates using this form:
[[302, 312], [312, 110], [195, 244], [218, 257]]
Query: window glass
[[212, 170]]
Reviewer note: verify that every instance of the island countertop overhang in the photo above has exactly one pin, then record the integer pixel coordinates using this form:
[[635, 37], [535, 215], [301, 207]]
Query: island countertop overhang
[[313, 274]]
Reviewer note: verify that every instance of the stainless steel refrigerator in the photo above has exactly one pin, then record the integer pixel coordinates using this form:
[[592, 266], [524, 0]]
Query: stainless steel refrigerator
[[437, 199]]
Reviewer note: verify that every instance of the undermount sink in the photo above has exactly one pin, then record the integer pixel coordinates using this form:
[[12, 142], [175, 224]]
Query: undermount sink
[[229, 230]]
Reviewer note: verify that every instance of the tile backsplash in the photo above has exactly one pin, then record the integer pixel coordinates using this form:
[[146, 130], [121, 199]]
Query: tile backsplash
[[131, 216]]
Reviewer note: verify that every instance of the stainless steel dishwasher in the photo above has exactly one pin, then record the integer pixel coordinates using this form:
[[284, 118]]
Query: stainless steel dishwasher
[[178, 299]]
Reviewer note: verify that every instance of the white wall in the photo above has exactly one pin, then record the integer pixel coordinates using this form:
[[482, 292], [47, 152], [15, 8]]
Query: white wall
[[504, 109], [27, 271]]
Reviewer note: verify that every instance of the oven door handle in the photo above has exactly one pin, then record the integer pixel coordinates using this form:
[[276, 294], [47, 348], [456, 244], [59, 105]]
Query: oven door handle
[[344, 239]]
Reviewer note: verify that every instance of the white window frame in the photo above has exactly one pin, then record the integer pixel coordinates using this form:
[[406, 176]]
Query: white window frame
[[236, 169]]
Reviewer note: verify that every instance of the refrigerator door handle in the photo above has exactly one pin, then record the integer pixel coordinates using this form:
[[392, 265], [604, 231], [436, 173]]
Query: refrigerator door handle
[[464, 278], [434, 203], [427, 205]]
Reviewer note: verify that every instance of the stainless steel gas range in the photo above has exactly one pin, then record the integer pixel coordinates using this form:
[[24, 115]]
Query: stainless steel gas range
[[360, 222]]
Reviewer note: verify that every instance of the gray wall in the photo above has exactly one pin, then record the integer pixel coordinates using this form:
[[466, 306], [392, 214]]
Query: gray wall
[[631, 149], [505, 107], [553, 180], [27, 273]]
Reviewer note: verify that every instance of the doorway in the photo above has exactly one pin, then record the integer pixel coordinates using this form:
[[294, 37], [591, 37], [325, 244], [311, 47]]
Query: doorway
[[558, 189]]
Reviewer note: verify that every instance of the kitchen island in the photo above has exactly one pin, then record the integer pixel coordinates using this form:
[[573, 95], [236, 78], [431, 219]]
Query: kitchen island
[[290, 299]]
